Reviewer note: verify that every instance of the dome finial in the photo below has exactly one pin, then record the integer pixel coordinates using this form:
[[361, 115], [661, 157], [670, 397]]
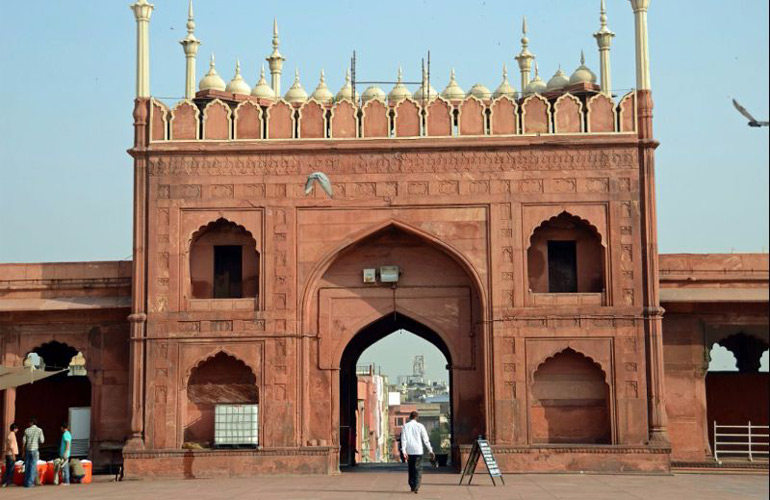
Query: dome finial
[[212, 63], [238, 85], [321, 92], [399, 92], [453, 91], [190, 18], [296, 93], [400, 78], [262, 90], [582, 58], [505, 88], [212, 80]]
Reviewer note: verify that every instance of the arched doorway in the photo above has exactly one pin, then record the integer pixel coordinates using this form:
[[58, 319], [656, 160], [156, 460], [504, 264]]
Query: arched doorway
[[60, 398], [351, 428]]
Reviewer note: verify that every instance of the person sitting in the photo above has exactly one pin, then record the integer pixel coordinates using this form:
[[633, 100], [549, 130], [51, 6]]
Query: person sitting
[[77, 472]]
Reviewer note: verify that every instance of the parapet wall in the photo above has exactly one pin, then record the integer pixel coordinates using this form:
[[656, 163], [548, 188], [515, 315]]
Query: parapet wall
[[219, 116]]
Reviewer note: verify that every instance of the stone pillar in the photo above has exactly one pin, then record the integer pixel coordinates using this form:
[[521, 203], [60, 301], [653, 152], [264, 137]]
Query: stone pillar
[[642, 45], [275, 60], [190, 45], [604, 39], [142, 12], [525, 57], [9, 409]]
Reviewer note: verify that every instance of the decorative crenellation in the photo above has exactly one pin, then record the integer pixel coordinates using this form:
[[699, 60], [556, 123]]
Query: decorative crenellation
[[222, 116]]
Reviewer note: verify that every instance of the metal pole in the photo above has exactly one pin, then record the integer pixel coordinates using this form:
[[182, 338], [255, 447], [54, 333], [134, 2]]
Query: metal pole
[[716, 450], [751, 457]]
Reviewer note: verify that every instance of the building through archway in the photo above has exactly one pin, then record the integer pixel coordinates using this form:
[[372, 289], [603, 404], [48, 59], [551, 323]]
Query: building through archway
[[365, 436]]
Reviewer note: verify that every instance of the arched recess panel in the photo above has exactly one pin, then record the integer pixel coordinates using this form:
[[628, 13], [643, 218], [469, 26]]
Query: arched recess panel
[[504, 119], [566, 255], [280, 121], [471, 117], [376, 122], [407, 119], [601, 114], [568, 115], [627, 112], [535, 115], [184, 121], [570, 401], [312, 121], [344, 123], [224, 262], [439, 119], [221, 379], [217, 118], [159, 114], [248, 121]]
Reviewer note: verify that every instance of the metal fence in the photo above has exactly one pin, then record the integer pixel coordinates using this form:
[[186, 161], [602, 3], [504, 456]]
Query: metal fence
[[741, 441]]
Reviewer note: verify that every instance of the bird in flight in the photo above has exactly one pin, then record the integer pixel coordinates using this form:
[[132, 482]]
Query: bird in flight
[[752, 121], [322, 179]]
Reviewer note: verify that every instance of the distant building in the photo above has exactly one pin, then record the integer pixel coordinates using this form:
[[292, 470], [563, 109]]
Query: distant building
[[372, 416]]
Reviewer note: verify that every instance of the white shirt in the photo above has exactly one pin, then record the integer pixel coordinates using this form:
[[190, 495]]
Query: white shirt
[[413, 435]]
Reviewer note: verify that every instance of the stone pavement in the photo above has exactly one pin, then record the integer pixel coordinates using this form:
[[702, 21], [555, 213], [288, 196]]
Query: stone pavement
[[375, 485]]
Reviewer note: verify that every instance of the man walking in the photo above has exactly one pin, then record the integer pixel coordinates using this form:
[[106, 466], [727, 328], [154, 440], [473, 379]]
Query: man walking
[[11, 453], [413, 437], [63, 462], [33, 438]]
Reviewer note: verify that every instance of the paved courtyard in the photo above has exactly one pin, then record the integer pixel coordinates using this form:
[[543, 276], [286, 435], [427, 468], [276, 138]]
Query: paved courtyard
[[375, 485]]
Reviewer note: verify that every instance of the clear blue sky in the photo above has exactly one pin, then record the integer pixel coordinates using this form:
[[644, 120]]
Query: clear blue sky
[[68, 85]]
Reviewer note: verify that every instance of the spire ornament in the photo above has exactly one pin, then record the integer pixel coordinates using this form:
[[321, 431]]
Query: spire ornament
[[525, 57], [190, 45], [604, 39], [275, 60]]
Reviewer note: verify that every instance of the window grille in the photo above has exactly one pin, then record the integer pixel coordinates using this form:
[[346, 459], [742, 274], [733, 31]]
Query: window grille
[[236, 425]]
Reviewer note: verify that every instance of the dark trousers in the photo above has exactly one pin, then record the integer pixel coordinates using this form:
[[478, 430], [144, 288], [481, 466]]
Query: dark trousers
[[415, 471], [10, 463]]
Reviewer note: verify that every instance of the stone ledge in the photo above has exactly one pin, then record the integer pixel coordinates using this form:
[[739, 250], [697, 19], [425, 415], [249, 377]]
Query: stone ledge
[[246, 452]]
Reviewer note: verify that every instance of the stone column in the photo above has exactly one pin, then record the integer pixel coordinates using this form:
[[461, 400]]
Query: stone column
[[190, 45], [142, 12], [604, 39]]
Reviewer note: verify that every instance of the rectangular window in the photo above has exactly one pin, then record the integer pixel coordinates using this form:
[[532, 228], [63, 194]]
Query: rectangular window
[[562, 267], [228, 272]]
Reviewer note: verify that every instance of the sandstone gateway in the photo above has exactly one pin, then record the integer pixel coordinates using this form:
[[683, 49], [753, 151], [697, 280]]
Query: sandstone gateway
[[523, 227]]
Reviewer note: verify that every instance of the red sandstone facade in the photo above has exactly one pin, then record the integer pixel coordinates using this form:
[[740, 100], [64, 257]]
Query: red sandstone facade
[[245, 290]]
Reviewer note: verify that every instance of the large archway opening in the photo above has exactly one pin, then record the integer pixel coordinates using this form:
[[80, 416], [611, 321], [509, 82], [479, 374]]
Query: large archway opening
[[373, 407], [64, 397], [737, 384]]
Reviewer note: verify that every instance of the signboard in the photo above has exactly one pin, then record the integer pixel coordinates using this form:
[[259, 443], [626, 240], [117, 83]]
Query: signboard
[[481, 449]]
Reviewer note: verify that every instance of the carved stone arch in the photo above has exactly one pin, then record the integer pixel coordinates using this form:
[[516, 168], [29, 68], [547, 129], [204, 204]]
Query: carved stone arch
[[159, 118], [408, 122], [248, 117], [213, 224], [601, 115], [280, 120], [438, 119], [746, 348], [577, 219], [627, 112], [185, 122], [536, 115], [471, 116], [344, 123], [217, 121], [568, 117], [375, 119], [555, 351], [211, 354], [504, 116], [55, 344], [328, 259]]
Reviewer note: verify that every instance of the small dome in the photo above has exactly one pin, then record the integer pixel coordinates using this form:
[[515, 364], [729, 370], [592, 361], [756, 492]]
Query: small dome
[[505, 88], [422, 94], [238, 85], [296, 93], [322, 93], [537, 85], [558, 81], [373, 92], [262, 90], [479, 91], [582, 74], [346, 92], [212, 80], [453, 92], [399, 91]]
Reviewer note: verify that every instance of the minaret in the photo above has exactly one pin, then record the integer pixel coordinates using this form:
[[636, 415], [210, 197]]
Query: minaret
[[604, 38], [276, 62], [142, 12], [642, 45], [525, 57], [190, 45]]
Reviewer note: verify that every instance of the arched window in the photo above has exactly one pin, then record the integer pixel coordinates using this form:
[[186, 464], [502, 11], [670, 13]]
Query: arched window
[[570, 401], [224, 262], [221, 403], [566, 256]]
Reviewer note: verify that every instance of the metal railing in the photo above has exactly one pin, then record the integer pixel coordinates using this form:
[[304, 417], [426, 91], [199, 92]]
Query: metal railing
[[749, 441]]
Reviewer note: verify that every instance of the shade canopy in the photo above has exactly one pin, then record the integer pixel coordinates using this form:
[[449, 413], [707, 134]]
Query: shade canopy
[[14, 376]]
